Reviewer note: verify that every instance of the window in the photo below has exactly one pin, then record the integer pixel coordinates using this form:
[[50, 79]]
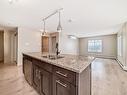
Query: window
[[95, 46]]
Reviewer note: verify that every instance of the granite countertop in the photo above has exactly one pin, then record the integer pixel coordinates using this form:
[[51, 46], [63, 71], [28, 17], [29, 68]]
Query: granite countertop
[[73, 63]]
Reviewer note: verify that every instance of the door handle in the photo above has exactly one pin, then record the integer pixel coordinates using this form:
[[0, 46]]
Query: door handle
[[36, 72], [39, 75]]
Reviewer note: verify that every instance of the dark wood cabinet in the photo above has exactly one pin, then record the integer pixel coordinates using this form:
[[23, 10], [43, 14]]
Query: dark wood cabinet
[[62, 87], [65, 74], [36, 78], [48, 79], [27, 69], [42, 79], [45, 82]]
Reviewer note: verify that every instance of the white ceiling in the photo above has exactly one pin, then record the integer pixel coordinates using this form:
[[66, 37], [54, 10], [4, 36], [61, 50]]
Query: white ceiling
[[89, 17]]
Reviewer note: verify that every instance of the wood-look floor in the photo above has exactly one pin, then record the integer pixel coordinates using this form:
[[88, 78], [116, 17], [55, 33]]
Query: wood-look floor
[[12, 81], [107, 79]]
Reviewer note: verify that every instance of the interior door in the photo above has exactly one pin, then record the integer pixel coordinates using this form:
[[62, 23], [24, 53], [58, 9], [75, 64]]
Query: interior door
[[45, 44]]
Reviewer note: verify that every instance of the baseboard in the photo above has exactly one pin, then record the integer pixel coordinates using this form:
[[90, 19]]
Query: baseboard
[[123, 67], [114, 58]]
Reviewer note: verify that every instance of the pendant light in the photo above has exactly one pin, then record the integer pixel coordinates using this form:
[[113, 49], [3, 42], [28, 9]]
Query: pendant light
[[44, 30], [59, 27]]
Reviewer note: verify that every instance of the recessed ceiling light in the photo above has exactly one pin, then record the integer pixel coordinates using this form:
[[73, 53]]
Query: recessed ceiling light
[[10, 1]]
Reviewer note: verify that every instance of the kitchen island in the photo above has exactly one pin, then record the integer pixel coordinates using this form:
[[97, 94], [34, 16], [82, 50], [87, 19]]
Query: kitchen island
[[66, 75]]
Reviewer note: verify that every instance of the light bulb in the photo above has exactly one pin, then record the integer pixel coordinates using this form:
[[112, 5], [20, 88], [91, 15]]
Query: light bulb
[[59, 28], [10, 1]]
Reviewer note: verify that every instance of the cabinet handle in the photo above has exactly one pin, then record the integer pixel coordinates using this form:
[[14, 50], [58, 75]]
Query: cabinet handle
[[36, 73], [39, 75], [58, 72], [64, 85]]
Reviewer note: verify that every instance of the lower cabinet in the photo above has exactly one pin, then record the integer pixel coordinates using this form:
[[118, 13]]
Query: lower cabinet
[[62, 87], [49, 80], [36, 78], [42, 81], [27, 69], [45, 83]]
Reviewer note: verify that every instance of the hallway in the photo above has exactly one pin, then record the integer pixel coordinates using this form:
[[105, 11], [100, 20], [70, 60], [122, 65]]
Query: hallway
[[108, 79]]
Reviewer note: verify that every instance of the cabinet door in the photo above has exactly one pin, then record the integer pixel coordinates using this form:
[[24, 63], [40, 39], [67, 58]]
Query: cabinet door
[[62, 87], [36, 80], [27, 70], [46, 83]]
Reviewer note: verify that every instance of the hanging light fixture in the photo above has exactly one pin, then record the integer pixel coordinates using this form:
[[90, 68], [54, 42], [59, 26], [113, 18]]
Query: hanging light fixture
[[44, 30], [59, 27]]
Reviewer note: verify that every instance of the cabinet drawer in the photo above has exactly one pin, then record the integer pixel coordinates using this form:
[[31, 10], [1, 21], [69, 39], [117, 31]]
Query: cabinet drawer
[[43, 65], [65, 74], [63, 87]]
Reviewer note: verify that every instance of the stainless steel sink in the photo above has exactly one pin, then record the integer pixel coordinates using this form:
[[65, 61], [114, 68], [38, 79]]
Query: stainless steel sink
[[53, 57], [45, 56]]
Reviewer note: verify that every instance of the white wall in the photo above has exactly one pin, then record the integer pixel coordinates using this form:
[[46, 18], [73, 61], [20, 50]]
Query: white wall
[[67, 45], [28, 41], [109, 46], [123, 34]]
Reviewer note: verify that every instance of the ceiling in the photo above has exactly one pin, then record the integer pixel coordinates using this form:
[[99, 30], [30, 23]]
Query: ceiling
[[79, 17]]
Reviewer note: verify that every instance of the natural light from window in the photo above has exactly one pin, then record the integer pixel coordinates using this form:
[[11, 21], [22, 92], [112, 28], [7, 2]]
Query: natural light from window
[[95, 46]]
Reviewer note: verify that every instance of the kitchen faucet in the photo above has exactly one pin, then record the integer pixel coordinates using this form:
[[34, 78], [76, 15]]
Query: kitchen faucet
[[57, 49]]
